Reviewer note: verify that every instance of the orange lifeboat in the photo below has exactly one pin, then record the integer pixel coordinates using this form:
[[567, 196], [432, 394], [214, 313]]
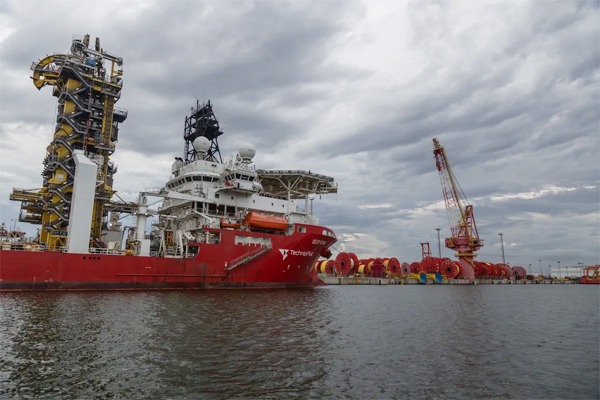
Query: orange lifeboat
[[267, 222]]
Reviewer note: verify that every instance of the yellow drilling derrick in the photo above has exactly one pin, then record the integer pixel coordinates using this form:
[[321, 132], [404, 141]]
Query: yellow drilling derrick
[[87, 83]]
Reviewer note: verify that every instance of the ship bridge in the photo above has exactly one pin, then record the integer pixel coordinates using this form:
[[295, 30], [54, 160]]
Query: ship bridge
[[294, 184]]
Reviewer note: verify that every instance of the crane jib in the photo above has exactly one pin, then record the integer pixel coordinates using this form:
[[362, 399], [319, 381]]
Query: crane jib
[[465, 238]]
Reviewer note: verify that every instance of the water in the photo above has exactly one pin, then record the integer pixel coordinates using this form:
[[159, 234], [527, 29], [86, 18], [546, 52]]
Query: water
[[337, 342]]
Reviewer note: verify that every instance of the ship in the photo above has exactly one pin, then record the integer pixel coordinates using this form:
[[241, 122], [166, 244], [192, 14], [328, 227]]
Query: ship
[[214, 224], [591, 275]]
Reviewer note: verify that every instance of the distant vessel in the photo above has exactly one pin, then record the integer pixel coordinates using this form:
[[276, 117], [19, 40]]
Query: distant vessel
[[591, 275], [220, 224]]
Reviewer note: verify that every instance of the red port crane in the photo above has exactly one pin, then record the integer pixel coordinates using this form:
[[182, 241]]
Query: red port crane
[[465, 238]]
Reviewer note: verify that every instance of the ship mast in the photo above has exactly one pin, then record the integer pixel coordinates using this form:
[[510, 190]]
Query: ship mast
[[202, 123]]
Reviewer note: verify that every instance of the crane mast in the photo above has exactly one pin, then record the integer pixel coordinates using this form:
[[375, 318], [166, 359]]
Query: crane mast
[[465, 238]]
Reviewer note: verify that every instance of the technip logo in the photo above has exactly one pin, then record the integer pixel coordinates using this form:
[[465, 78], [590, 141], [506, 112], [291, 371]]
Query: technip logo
[[286, 252]]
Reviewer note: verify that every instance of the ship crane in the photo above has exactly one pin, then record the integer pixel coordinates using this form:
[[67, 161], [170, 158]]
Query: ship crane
[[465, 238]]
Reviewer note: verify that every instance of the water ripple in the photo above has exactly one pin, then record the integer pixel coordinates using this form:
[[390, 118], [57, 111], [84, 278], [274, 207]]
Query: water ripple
[[438, 342]]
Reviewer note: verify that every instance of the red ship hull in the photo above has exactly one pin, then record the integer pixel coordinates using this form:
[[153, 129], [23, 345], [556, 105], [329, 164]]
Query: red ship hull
[[590, 281], [591, 275], [287, 261]]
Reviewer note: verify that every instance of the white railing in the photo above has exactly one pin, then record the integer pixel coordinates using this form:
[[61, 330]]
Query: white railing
[[94, 250]]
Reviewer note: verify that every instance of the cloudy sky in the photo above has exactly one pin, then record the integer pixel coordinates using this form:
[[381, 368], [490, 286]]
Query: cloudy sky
[[356, 90]]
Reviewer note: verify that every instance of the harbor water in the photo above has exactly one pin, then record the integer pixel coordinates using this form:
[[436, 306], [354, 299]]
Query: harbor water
[[336, 342]]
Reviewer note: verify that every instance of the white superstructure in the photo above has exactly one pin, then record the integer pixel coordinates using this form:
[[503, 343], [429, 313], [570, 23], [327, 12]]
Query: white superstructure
[[203, 192]]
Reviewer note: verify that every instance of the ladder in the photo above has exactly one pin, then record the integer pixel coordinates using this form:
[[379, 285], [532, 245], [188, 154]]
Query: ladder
[[247, 257]]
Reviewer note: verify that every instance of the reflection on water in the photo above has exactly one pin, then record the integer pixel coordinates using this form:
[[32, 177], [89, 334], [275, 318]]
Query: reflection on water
[[515, 341]]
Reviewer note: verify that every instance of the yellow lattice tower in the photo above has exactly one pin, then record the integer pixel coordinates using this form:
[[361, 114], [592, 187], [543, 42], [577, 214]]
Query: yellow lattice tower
[[86, 120]]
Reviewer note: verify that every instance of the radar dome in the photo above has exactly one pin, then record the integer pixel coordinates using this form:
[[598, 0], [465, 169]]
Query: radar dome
[[247, 151], [201, 144]]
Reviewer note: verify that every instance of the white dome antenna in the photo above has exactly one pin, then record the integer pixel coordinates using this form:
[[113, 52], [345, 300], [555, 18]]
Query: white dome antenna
[[247, 152], [201, 145]]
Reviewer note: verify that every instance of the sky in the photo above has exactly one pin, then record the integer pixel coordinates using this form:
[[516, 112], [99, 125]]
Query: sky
[[351, 89]]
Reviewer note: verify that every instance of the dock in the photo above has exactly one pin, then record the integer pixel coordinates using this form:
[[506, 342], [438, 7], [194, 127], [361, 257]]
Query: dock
[[435, 279]]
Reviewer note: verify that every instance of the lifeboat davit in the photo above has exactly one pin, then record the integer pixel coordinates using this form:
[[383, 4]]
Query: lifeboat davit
[[225, 224], [266, 222]]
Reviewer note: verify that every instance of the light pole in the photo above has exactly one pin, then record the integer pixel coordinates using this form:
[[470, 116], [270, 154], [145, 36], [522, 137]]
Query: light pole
[[540, 267], [529, 270], [549, 271], [502, 243], [559, 276], [439, 245]]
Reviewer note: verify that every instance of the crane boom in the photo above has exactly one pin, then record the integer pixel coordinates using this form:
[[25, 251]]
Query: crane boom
[[465, 238]]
